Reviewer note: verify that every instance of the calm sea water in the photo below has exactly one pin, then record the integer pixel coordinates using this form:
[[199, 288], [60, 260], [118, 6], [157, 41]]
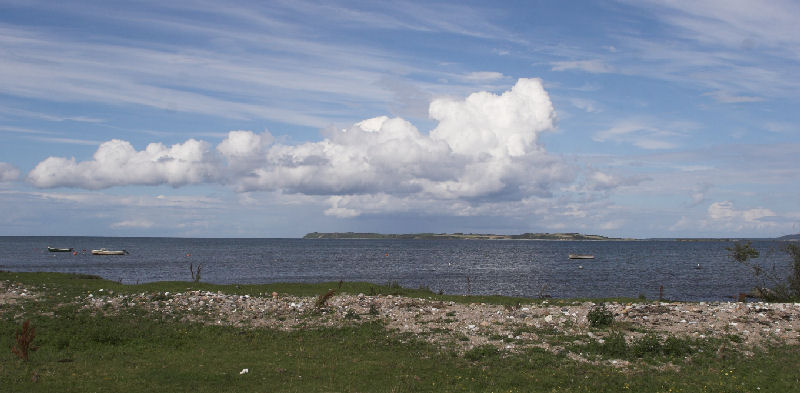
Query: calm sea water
[[514, 268]]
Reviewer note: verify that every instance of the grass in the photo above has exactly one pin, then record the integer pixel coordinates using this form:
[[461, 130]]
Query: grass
[[135, 352]]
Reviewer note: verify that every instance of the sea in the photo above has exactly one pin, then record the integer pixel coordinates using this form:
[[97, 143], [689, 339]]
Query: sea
[[674, 270]]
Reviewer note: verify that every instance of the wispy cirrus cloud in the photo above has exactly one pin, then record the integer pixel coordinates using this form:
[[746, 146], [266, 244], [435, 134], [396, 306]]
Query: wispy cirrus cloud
[[16, 112], [639, 133], [8, 172], [224, 67], [739, 51], [594, 66], [585, 104], [140, 223], [737, 24], [485, 76], [728, 98]]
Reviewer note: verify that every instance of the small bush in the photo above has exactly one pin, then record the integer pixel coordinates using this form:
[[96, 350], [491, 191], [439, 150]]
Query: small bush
[[481, 352], [734, 338], [373, 310], [782, 288], [24, 343], [647, 345], [615, 345], [599, 316], [742, 252], [674, 346], [323, 299], [159, 297]]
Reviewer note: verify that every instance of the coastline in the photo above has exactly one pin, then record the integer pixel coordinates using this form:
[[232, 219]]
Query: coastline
[[466, 322], [99, 335]]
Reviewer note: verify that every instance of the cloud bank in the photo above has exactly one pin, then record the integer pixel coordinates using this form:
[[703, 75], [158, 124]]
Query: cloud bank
[[117, 163], [484, 148]]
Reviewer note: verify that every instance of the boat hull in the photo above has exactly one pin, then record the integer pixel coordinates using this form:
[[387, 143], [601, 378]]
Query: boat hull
[[53, 249], [580, 256], [108, 252]]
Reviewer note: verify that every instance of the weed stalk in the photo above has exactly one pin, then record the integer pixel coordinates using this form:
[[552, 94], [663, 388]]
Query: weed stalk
[[24, 343]]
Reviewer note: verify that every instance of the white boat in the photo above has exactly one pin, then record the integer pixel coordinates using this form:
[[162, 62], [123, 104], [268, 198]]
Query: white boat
[[581, 256], [103, 251]]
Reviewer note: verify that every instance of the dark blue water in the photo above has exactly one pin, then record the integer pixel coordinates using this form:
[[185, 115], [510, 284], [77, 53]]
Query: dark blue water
[[514, 268]]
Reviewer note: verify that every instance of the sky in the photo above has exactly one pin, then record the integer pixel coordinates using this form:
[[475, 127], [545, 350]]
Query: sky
[[275, 119]]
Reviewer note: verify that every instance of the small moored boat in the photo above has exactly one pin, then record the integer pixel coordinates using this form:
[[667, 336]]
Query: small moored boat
[[103, 251], [581, 256], [54, 249]]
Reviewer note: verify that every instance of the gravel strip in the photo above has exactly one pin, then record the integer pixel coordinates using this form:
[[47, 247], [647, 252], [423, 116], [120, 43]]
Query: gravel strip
[[474, 324], [463, 326]]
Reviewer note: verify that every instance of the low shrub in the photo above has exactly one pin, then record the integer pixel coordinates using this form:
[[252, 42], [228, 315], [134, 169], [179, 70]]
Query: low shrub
[[481, 352], [614, 346], [599, 316], [323, 299], [24, 345], [647, 345], [771, 287], [674, 346]]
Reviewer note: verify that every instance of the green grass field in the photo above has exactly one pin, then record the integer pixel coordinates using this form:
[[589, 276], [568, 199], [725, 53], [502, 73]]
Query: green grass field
[[133, 351]]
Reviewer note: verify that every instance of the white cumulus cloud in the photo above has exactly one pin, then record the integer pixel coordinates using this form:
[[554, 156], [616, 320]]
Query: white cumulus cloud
[[484, 148], [117, 163]]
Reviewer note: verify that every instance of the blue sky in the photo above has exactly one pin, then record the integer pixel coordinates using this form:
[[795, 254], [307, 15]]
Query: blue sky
[[274, 119]]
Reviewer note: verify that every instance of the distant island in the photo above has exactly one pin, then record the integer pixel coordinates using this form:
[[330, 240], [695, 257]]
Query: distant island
[[524, 236], [456, 236]]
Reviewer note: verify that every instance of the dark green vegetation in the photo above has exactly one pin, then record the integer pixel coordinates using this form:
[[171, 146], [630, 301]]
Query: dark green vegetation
[[465, 236], [132, 351], [770, 286], [600, 317]]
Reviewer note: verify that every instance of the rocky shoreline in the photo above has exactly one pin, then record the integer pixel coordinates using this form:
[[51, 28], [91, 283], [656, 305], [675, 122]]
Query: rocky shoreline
[[552, 327]]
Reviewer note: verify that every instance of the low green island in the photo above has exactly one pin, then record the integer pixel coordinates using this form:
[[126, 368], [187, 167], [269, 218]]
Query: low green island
[[457, 236]]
